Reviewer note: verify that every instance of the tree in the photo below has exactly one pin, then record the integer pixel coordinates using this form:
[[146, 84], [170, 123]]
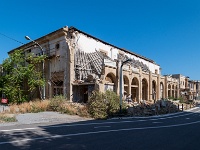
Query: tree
[[21, 76]]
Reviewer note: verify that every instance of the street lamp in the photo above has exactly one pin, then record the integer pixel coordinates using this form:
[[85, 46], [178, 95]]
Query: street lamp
[[121, 79], [28, 38]]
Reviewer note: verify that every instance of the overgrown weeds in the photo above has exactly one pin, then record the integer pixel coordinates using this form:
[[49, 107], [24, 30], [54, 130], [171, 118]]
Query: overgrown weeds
[[57, 104], [30, 107], [7, 118], [99, 106]]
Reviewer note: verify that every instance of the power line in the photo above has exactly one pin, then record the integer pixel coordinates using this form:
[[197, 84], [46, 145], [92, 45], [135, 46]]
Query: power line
[[12, 38]]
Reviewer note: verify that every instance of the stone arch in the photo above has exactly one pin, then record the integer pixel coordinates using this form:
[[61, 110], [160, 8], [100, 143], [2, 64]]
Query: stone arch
[[169, 91], [110, 82], [144, 89], [154, 90], [161, 90], [135, 89], [126, 85]]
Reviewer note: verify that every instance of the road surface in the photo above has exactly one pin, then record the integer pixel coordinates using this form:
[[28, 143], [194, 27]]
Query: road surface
[[175, 132]]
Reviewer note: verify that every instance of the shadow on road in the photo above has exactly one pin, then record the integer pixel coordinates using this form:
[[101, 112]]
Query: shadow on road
[[84, 135]]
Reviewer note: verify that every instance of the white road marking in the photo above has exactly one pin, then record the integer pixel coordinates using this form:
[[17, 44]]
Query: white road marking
[[156, 122], [103, 127], [187, 118], [95, 132], [101, 123], [18, 129]]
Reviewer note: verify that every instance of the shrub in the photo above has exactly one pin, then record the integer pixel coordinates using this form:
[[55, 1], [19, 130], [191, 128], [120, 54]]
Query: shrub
[[83, 112], [103, 105], [55, 103], [67, 108], [113, 103], [97, 105]]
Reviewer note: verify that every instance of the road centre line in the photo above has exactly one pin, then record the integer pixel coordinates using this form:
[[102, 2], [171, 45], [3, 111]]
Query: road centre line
[[157, 122], [102, 123], [102, 127], [95, 132]]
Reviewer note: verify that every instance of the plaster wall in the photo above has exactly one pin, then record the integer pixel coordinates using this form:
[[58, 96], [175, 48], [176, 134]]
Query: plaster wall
[[89, 44]]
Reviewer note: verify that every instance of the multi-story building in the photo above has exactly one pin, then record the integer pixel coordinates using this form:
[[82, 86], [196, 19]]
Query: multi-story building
[[188, 89], [197, 90], [78, 63], [183, 84]]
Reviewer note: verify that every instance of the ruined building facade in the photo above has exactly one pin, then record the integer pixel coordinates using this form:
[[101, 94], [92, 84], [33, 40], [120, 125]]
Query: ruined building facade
[[78, 63]]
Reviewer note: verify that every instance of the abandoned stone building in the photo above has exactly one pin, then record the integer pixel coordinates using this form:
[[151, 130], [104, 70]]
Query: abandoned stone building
[[78, 63], [188, 89]]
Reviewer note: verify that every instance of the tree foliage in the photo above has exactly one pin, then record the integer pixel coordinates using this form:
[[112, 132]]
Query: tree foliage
[[21, 75]]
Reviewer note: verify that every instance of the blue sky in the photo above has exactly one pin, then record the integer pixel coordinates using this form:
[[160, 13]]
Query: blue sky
[[167, 31]]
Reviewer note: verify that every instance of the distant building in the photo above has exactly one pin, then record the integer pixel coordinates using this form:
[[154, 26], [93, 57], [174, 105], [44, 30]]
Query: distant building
[[188, 89]]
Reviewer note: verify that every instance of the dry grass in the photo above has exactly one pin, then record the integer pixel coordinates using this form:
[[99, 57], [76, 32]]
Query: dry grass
[[29, 107], [7, 118], [58, 105], [74, 109], [67, 108]]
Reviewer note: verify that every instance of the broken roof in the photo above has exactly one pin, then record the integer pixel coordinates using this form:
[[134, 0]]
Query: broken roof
[[65, 28], [75, 29]]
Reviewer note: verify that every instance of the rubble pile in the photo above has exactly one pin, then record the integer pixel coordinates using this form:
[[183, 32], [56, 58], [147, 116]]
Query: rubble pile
[[148, 108]]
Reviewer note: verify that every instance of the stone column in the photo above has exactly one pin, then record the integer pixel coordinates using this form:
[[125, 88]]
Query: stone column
[[130, 77], [129, 84], [178, 91], [69, 73], [150, 87], [166, 88], [140, 84], [158, 87], [171, 91], [118, 77]]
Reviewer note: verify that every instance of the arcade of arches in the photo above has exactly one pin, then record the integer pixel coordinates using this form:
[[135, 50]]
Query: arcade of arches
[[141, 87]]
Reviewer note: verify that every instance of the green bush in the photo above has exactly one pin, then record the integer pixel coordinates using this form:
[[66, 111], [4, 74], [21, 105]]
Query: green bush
[[103, 105], [67, 108], [113, 103], [83, 112], [56, 103], [97, 105], [4, 118]]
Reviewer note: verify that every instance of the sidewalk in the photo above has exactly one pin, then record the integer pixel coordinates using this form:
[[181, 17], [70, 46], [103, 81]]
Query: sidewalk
[[45, 117]]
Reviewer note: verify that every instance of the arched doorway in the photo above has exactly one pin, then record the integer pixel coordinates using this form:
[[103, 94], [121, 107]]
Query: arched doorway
[[135, 89], [126, 85], [110, 81], [144, 89]]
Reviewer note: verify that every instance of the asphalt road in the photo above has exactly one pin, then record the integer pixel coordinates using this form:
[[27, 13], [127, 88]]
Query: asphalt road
[[179, 131]]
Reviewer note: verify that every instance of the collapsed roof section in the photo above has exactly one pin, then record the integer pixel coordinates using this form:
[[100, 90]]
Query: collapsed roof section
[[134, 63], [137, 64], [88, 66]]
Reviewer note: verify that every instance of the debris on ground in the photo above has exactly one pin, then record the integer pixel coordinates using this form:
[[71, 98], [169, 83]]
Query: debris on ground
[[149, 108]]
